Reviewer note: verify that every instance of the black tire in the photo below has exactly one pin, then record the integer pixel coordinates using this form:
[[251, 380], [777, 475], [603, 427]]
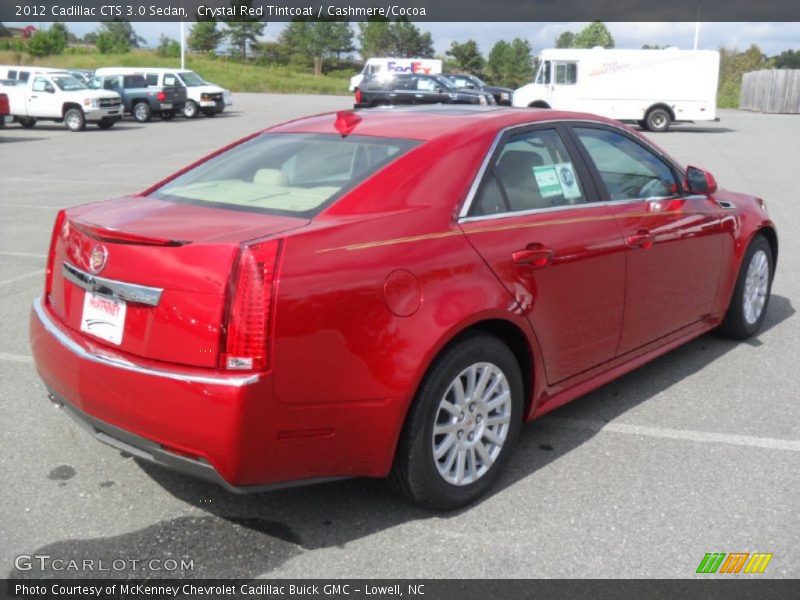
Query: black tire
[[210, 112], [26, 122], [74, 119], [106, 123], [190, 109], [658, 120], [642, 124], [141, 112], [167, 115], [415, 472], [736, 325]]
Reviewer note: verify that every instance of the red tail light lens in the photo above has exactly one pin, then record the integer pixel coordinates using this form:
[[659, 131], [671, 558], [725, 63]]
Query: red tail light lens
[[61, 220], [248, 321], [358, 95], [161, 96]]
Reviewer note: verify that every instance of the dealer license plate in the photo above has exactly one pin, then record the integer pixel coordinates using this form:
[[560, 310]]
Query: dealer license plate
[[103, 317]]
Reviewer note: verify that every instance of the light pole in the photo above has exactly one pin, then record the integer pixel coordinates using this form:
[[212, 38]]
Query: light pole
[[697, 26]]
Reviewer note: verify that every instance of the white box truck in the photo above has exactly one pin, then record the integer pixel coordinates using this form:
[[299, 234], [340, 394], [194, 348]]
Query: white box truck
[[653, 88], [376, 66]]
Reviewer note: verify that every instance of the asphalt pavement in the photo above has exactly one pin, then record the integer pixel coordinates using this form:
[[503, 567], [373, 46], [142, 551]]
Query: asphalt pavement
[[697, 452]]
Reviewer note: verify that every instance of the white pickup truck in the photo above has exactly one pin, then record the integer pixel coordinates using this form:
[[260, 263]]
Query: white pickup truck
[[55, 95]]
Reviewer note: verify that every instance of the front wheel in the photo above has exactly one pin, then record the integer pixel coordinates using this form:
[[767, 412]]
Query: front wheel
[[141, 112], [190, 109], [74, 119], [748, 307], [658, 120], [106, 123], [210, 112], [463, 425]]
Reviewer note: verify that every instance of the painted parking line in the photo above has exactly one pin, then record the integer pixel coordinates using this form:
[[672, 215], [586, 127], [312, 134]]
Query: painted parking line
[[18, 278], [16, 358], [23, 254], [705, 437]]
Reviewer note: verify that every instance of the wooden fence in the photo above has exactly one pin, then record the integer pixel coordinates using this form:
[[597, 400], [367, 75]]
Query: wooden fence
[[773, 91]]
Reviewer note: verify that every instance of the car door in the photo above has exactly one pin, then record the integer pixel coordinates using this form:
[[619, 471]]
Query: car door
[[535, 221], [674, 240], [564, 87], [429, 91], [43, 99]]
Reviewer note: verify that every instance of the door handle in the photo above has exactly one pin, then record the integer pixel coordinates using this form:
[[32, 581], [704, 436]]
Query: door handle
[[641, 239], [534, 256]]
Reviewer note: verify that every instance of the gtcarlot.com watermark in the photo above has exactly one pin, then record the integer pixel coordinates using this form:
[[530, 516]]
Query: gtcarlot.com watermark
[[46, 562]]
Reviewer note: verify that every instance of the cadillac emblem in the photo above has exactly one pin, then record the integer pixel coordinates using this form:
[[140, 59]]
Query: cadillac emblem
[[97, 258]]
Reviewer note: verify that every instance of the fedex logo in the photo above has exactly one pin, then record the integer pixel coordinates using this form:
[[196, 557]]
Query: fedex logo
[[413, 67]]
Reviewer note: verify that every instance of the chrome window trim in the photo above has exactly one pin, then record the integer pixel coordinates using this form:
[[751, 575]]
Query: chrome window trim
[[118, 362], [463, 214], [119, 290]]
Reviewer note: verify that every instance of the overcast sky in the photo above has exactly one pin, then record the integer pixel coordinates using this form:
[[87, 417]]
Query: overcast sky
[[772, 37]]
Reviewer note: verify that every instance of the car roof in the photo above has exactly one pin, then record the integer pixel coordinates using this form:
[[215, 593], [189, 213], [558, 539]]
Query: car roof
[[431, 121]]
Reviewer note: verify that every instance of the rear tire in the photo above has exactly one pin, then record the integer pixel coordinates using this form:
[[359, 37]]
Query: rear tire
[[106, 123], [167, 115], [210, 112], [748, 308], [27, 122], [658, 120], [467, 411], [74, 119], [190, 109]]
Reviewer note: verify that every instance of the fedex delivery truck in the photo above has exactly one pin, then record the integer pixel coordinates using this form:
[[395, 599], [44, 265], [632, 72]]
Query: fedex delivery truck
[[654, 88], [376, 66]]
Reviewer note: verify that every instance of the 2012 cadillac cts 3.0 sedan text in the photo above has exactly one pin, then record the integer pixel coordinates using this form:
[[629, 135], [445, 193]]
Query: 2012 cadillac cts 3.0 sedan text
[[388, 293]]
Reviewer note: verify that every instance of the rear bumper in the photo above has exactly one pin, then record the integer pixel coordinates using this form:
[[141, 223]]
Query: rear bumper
[[210, 424]]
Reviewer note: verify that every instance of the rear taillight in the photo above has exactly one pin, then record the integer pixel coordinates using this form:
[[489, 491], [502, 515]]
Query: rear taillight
[[5, 108], [249, 307], [358, 96], [61, 220], [161, 96]]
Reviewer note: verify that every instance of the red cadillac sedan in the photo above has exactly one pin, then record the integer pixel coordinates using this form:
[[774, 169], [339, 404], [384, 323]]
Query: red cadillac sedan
[[387, 294]]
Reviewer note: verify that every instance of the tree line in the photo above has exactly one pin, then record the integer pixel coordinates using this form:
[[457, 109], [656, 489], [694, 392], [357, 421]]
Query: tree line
[[322, 46]]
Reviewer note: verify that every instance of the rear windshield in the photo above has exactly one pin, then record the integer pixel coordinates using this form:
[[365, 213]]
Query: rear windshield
[[295, 174]]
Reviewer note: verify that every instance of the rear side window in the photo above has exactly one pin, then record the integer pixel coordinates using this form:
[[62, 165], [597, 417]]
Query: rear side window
[[295, 174], [628, 169], [151, 78], [134, 81], [533, 171]]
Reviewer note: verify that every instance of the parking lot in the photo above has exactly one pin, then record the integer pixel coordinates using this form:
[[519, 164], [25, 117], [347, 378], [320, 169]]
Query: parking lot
[[696, 452]]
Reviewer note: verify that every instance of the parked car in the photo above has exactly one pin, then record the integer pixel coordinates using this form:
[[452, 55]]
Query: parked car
[[55, 95], [386, 67], [5, 107], [201, 96], [403, 89], [388, 293], [141, 100], [84, 75], [471, 82]]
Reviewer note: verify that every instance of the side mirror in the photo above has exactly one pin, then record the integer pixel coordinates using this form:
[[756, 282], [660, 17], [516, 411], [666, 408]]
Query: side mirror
[[700, 182], [49, 89], [439, 89]]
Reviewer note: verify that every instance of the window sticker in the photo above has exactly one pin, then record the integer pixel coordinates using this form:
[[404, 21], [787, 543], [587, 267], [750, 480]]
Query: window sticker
[[548, 181], [569, 183]]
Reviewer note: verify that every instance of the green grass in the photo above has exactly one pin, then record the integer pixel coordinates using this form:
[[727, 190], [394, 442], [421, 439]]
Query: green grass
[[236, 76]]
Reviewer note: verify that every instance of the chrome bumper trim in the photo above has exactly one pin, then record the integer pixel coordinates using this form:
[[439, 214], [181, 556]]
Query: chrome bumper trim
[[120, 290], [118, 362]]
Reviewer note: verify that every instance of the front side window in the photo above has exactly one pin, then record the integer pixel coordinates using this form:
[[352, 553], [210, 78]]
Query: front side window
[[533, 171], [95, 84], [566, 73], [68, 83], [543, 77], [40, 84], [190, 79], [294, 174], [628, 169]]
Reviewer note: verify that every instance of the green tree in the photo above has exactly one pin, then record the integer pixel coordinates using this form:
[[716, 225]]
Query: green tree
[[204, 36], [90, 38], [732, 65], [375, 38], [46, 42], [244, 32], [594, 34], [60, 32], [496, 62], [565, 40], [652, 47], [788, 59], [520, 65], [318, 40], [410, 42], [467, 56], [120, 34], [168, 47]]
